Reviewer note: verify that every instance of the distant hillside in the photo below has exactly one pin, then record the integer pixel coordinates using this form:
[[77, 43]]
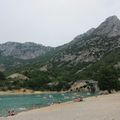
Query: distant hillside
[[23, 51], [14, 54]]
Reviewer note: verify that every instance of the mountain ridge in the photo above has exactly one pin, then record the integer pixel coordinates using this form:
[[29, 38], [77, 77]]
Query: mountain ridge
[[25, 51], [85, 49]]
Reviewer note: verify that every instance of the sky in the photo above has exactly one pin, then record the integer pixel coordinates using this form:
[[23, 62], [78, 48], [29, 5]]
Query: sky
[[52, 22]]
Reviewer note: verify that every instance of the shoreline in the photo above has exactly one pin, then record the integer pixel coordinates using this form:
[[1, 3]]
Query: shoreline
[[17, 92], [104, 105]]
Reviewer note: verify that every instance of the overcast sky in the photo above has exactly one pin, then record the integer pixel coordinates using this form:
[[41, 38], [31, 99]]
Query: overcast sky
[[52, 22]]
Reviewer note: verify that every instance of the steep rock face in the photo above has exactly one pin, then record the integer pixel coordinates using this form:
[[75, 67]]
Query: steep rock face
[[24, 51], [90, 46]]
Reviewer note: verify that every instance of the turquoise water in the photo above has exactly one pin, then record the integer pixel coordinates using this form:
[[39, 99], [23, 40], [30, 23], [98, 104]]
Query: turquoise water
[[20, 103]]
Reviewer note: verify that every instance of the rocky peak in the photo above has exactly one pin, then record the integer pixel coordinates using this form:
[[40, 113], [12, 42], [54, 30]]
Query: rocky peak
[[110, 27]]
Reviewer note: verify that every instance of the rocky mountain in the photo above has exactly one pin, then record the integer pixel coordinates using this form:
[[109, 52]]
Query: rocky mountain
[[88, 47], [24, 51], [80, 59], [83, 51], [14, 54]]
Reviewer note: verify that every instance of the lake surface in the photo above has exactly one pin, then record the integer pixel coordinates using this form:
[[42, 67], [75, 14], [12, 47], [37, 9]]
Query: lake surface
[[20, 103]]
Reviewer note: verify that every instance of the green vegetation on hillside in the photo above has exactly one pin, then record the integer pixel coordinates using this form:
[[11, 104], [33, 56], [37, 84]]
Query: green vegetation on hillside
[[106, 72], [108, 79]]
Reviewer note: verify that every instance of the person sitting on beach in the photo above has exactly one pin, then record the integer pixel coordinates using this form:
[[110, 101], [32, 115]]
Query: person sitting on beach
[[11, 113], [78, 99]]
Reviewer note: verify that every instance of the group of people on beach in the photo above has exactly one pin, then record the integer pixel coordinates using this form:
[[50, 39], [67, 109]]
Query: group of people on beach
[[11, 113]]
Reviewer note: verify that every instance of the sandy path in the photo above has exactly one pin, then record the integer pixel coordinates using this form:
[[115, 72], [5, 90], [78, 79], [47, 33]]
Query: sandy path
[[101, 108]]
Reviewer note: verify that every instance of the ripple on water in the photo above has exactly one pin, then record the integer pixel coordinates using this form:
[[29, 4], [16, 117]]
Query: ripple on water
[[22, 108], [50, 96]]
